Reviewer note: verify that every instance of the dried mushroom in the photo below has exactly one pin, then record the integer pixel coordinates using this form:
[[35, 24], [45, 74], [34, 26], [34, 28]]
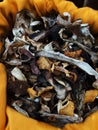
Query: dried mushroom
[[52, 68]]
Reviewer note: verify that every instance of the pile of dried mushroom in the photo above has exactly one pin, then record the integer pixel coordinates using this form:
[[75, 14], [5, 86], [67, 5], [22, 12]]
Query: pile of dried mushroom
[[52, 66]]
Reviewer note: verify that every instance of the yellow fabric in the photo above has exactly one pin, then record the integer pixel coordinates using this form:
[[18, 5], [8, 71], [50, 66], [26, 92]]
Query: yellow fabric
[[3, 83], [9, 118]]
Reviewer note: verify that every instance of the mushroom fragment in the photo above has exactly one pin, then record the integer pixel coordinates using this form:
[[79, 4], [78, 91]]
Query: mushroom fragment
[[44, 63], [42, 90], [15, 105], [32, 93], [17, 73], [67, 109]]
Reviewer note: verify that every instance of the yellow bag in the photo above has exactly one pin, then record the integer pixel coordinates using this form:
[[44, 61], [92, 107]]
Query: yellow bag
[[9, 118]]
